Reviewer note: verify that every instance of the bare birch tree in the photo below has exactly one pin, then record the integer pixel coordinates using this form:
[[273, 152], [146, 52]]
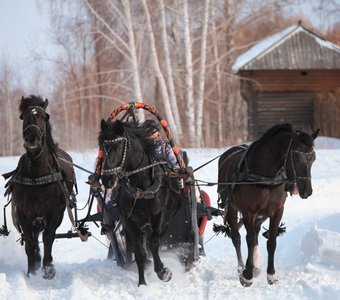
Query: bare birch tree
[[10, 95], [201, 80], [169, 72], [133, 52], [161, 51], [189, 101], [159, 74]]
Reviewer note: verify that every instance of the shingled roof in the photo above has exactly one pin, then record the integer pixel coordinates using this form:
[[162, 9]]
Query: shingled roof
[[294, 48]]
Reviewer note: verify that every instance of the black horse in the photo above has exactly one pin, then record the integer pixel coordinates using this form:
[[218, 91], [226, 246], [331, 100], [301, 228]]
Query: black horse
[[262, 174], [41, 186], [147, 196]]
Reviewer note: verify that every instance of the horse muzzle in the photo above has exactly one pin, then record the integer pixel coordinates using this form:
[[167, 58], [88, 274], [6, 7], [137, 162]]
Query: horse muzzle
[[305, 195], [32, 146], [109, 181], [305, 189]]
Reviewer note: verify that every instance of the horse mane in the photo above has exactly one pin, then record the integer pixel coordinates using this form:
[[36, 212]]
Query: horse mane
[[297, 135], [275, 130], [33, 100], [141, 131]]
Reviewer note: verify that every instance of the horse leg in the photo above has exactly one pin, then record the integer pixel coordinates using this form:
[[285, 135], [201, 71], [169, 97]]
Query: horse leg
[[246, 278], [257, 253], [271, 246], [32, 250], [33, 253], [48, 267], [137, 238], [48, 240], [231, 220], [162, 272]]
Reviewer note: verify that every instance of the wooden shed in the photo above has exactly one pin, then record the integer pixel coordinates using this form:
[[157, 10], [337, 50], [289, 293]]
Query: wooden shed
[[292, 76]]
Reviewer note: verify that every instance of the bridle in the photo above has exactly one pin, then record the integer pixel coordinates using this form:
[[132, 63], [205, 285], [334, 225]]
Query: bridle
[[41, 133], [119, 170], [107, 146], [309, 156]]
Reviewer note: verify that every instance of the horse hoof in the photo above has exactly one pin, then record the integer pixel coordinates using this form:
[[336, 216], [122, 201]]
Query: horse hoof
[[256, 272], [48, 272], [164, 275], [271, 279], [29, 273], [141, 282], [245, 282]]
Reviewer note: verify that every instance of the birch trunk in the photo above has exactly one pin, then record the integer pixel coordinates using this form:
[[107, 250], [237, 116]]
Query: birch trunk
[[190, 111], [159, 75], [218, 85], [172, 92], [201, 80], [9, 138], [133, 53], [127, 49]]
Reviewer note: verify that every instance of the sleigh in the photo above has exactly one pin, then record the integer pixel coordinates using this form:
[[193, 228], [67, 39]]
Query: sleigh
[[185, 233]]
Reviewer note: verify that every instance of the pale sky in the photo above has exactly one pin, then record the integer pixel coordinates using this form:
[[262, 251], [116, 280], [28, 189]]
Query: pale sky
[[20, 26]]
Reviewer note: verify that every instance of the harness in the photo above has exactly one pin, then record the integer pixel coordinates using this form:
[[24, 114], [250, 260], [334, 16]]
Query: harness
[[55, 177], [122, 180], [14, 177], [243, 173]]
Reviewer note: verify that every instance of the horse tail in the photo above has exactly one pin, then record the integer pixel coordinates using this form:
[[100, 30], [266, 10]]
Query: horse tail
[[224, 229]]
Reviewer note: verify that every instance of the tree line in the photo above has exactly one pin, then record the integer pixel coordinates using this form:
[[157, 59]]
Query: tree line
[[174, 55]]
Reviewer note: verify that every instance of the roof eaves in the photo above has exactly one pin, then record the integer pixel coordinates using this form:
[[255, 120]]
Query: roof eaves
[[263, 47]]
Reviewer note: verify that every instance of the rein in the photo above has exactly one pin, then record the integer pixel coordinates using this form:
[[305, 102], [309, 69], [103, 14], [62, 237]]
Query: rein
[[265, 181], [129, 173]]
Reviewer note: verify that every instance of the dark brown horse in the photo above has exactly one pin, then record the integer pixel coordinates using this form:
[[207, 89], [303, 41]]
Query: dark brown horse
[[146, 196], [262, 174], [41, 186]]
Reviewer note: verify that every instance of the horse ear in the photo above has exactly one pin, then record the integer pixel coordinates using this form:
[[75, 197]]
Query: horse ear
[[315, 134], [103, 124], [45, 103], [119, 128]]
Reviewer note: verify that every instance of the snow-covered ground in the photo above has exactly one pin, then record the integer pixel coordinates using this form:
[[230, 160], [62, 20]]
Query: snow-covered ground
[[307, 257]]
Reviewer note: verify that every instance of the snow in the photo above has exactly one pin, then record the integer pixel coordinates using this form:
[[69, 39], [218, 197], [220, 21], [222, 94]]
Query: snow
[[307, 257]]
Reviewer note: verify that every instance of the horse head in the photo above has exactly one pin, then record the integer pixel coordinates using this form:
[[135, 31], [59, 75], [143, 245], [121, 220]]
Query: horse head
[[300, 160], [126, 147], [35, 124], [113, 141]]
